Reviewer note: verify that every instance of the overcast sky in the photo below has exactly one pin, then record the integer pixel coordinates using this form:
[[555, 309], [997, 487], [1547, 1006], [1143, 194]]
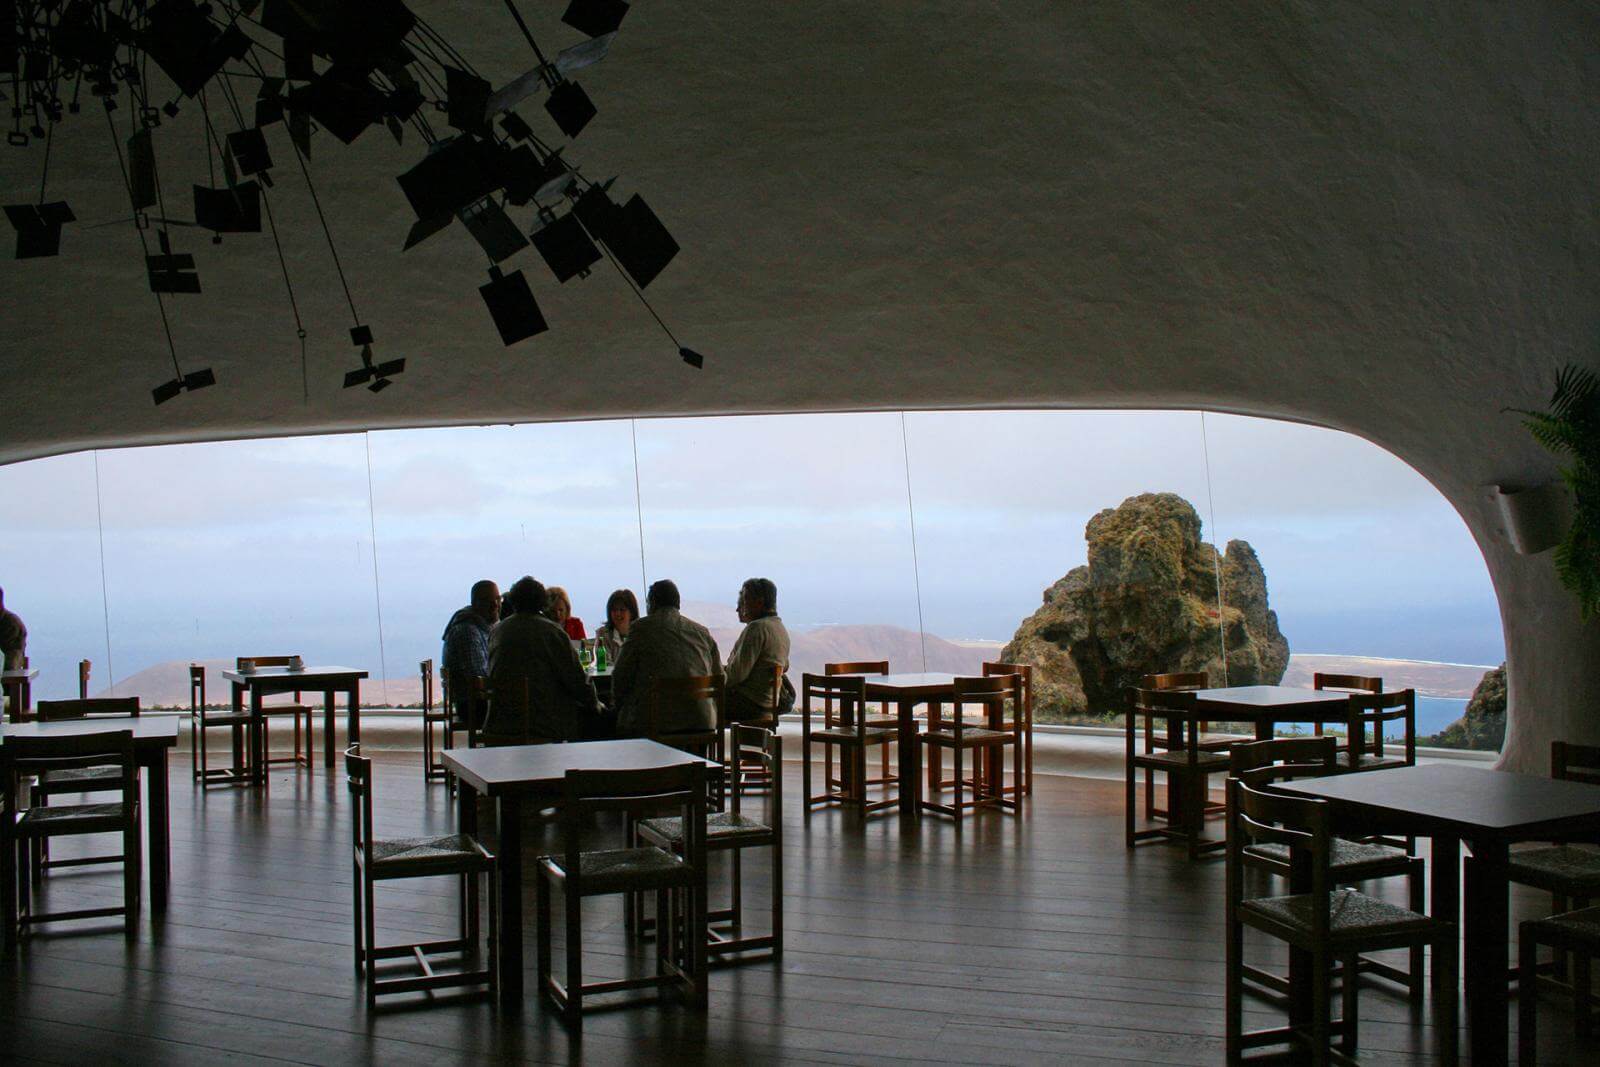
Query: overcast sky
[[217, 550]]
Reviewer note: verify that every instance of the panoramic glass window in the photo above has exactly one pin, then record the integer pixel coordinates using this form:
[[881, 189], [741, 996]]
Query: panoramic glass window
[[1097, 545]]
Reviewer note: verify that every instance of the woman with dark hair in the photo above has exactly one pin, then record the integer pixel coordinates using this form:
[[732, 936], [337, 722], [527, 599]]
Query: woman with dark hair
[[622, 611]]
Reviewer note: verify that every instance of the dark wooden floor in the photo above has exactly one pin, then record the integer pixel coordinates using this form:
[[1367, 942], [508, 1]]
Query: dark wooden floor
[[1038, 940]]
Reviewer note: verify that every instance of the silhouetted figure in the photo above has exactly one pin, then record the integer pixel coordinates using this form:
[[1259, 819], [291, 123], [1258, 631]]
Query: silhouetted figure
[[663, 644], [540, 691], [762, 644], [13, 637]]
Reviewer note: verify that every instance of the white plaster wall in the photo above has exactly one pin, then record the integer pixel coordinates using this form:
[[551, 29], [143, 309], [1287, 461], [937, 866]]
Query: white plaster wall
[[1375, 217]]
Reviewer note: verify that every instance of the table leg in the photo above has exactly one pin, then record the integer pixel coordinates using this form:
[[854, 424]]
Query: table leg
[[1488, 959], [258, 741], [353, 717], [508, 825], [910, 771], [1444, 874], [157, 831], [330, 705]]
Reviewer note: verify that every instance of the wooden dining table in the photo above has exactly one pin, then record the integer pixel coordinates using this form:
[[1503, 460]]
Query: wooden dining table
[[153, 737], [905, 692], [1268, 706], [1489, 811], [329, 681], [18, 687], [516, 777]]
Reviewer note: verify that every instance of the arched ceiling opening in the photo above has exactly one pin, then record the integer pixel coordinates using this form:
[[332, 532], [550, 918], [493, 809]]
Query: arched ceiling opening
[[1381, 220]]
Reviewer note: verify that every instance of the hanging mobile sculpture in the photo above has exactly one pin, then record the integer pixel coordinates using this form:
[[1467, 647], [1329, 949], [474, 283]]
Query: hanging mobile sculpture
[[317, 68]]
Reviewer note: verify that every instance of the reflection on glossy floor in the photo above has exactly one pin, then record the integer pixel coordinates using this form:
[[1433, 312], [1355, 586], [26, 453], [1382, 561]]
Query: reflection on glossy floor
[[1031, 941]]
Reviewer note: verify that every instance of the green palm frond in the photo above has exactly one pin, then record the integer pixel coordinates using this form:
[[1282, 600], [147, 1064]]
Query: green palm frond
[[1571, 427]]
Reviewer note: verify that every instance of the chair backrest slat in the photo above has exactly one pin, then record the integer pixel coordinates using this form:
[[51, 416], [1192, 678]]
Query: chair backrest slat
[[875, 666], [358, 772], [96, 708], [1575, 763], [1176, 681], [1355, 682], [1260, 763]]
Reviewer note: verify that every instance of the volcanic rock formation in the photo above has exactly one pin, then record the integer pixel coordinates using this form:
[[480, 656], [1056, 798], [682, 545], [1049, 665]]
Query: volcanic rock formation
[[1147, 602]]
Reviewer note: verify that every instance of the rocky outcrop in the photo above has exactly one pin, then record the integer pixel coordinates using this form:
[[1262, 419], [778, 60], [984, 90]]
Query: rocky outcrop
[[1146, 602], [1483, 725]]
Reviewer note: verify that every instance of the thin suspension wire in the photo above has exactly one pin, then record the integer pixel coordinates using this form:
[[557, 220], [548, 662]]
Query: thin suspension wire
[[283, 264], [327, 233], [105, 600], [916, 569], [127, 183], [638, 504], [1216, 558], [49, 136], [377, 595]]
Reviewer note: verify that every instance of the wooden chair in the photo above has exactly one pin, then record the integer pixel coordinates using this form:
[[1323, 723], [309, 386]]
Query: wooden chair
[[1346, 683], [433, 768], [1021, 717], [843, 696], [202, 721], [986, 744], [1569, 872], [1258, 764], [884, 717], [1179, 682], [376, 860], [1175, 752], [1370, 713], [733, 831], [1575, 932], [666, 694], [101, 779], [1323, 923], [292, 708], [755, 777], [677, 879], [41, 757], [466, 704], [83, 679]]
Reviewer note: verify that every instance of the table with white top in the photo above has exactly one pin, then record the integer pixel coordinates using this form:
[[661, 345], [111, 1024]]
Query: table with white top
[[329, 681]]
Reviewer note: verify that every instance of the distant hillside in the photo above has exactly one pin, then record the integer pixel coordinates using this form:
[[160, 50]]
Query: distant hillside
[[167, 684], [1432, 679]]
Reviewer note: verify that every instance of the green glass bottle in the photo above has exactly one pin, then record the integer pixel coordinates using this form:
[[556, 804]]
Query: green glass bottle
[[599, 656]]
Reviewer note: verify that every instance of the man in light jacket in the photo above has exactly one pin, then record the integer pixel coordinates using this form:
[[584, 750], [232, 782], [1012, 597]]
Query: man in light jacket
[[762, 645], [663, 644]]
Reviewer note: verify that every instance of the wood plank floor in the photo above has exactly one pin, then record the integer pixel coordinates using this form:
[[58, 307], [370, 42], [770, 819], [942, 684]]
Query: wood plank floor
[[1031, 941]]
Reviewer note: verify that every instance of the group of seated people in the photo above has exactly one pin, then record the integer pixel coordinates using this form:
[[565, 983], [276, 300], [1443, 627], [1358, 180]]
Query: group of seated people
[[525, 646]]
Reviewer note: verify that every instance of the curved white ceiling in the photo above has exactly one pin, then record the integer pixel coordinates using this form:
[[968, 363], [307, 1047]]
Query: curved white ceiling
[[1382, 221]]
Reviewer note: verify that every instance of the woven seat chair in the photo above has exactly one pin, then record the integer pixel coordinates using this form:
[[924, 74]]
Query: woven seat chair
[[733, 831], [103, 779], [1179, 682], [202, 721], [1260, 763], [881, 718], [1366, 748], [678, 879], [985, 745], [433, 715], [1575, 932], [841, 703], [1325, 922], [1568, 871], [378, 860], [1162, 734], [1021, 716], [40, 757]]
